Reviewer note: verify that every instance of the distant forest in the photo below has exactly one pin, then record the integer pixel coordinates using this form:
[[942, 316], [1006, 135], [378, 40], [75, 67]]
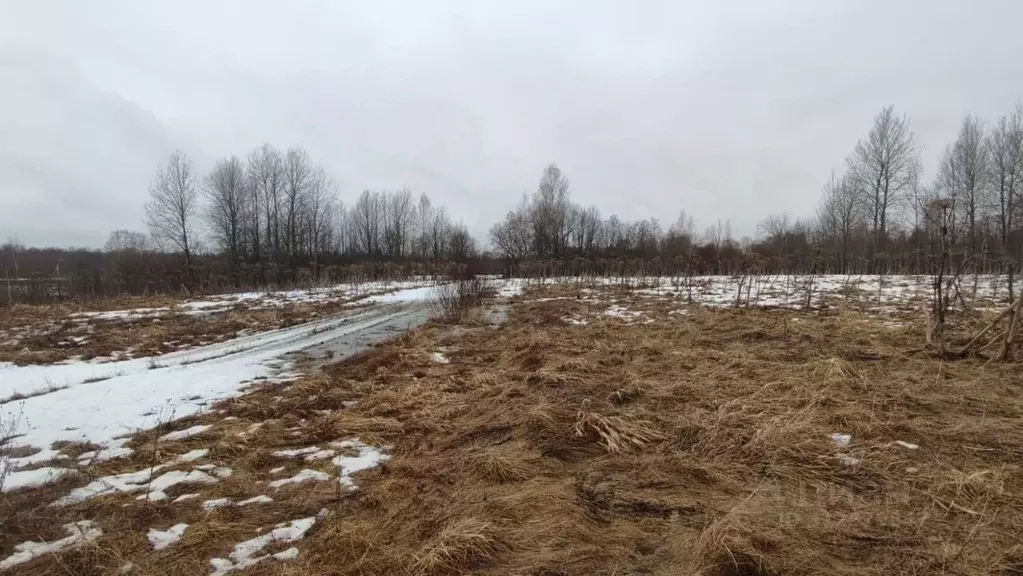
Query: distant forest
[[275, 218]]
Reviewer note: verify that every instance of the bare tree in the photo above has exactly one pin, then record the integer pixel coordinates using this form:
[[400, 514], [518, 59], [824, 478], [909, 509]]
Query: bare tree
[[398, 219], [367, 218], [884, 168], [423, 216], [121, 240], [172, 205], [1005, 145], [266, 172], [461, 245], [774, 227], [969, 165], [614, 232], [550, 213], [439, 229], [590, 229], [320, 201], [839, 215], [513, 237], [226, 198], [297, 172], [9, 252]]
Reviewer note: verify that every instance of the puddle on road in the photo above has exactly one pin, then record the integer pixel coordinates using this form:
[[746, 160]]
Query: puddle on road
[[337, 349], [410, 316]]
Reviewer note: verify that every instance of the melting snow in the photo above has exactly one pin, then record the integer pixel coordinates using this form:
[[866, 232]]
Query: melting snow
[[218, 503], [617, 311], [369, 457], [841, 439], [19, 479], [302, 476], [848, 460], [309, 453], [287, 555], [77, 532], [223, 502], [191, 456], [186, 433], [155, 489], [162, 539], [104, 455], [104, 402], [906, 445], [439, 358], [256, 500], [136, 482], [245, 553]]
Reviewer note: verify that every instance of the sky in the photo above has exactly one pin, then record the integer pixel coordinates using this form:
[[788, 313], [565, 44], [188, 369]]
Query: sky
[[727, 110]]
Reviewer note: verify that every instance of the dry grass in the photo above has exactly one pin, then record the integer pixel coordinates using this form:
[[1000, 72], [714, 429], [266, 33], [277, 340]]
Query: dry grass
[[45, 334], [695, 444]]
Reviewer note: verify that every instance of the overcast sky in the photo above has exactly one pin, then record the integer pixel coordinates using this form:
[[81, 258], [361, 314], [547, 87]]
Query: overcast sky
[[730, 110]]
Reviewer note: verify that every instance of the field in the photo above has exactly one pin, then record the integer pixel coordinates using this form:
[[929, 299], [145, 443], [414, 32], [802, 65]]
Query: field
[[137, 327], [603, 427]]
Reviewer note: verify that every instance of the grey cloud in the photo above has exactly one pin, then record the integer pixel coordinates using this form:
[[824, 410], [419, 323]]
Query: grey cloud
[[726, 111]]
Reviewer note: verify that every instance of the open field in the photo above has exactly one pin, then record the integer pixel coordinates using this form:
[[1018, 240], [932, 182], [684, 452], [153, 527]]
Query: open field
[[137, 327], [600, 430]]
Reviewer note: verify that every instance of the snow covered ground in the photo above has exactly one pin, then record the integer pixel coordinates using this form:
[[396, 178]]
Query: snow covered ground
[[105, 334], [882, 294], [258, 300], [102, 403]]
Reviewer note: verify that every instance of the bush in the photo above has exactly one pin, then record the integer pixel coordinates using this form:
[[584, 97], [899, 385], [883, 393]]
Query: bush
[[459, 295]]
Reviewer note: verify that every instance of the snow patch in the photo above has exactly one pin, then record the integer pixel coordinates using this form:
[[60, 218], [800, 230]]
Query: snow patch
[[103, 455], [19, 479], [261, 499], [245, 553], [186, 433], [214, 504], [302, 476], [191, 456], [162, 539], [617, 311], [77, 532], [286, 555], [308, 453], [104, 402], [136, 482], [369, 457], [841, 439], [155, 490]]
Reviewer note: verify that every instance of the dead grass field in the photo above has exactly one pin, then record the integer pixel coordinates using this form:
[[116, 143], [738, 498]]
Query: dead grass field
[[675, 440], [44, 334]]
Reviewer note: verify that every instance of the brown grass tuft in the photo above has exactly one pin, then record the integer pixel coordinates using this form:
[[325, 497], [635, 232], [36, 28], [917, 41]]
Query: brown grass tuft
[[615, 433], [462, 546]]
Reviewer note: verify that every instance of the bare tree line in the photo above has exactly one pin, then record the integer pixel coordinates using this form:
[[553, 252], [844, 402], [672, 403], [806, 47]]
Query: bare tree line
[[276, 217], [878, 215], [278, 212]]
